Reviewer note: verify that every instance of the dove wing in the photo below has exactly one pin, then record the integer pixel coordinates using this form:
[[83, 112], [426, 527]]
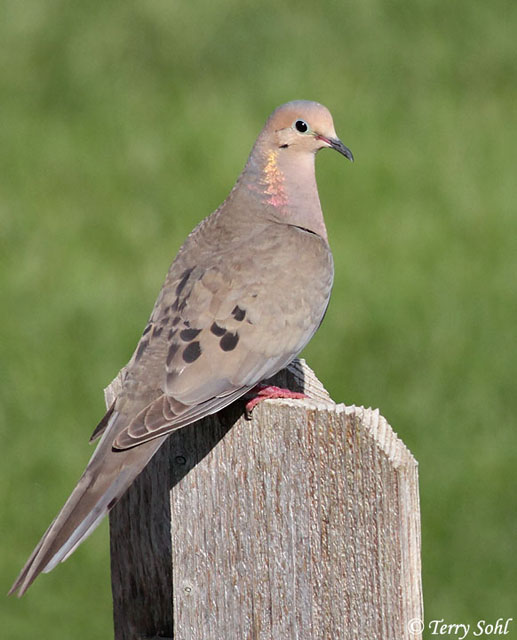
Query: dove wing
[[218, 329]]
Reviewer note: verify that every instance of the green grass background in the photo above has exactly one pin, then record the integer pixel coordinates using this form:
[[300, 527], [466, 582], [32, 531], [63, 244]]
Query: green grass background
[[123, 124]]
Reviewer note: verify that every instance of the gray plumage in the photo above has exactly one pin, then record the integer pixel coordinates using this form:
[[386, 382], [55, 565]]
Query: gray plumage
[[246, 292]]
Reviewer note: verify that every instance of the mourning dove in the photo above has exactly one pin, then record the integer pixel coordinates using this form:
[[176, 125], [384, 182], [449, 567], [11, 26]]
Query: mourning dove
[[244, 295]]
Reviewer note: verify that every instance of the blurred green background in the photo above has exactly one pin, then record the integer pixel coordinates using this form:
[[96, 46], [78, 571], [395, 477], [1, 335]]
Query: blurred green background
[[123, 124]]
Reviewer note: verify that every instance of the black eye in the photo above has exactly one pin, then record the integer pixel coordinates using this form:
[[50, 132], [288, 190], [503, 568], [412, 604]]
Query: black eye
[[301, 126]]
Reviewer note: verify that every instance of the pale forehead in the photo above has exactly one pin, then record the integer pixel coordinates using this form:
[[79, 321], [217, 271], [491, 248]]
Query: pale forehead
[[316, 115]]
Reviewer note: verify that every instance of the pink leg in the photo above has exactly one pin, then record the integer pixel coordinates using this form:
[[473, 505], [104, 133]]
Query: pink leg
[[268, 392]]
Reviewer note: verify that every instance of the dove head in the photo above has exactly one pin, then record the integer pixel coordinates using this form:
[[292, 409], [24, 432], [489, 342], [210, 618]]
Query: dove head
[[303, 127], [280, 172]]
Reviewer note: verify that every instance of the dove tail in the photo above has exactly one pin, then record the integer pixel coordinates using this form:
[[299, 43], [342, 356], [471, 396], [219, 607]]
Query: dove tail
[[106, 478]]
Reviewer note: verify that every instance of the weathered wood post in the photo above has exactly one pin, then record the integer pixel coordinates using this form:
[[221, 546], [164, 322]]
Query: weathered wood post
[[302, 523]]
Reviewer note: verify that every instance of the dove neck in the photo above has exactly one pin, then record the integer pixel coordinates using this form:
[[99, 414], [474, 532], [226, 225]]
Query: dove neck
[[284, 183]]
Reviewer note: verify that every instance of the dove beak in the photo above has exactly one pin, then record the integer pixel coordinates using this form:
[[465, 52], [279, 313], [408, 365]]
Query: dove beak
[[335, 143]]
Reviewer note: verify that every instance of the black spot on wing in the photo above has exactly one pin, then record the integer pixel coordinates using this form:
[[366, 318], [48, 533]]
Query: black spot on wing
[[184, 278], [172, 333], [157, 331], [217, 330], [141, 348], [192, 352], [238, 313], [189, 334], [229, 341], [177, 306], [147, 329], [173, 349], [175, 321]]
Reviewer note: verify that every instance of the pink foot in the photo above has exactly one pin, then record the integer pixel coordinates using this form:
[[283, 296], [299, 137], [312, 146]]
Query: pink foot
[[267, 392]]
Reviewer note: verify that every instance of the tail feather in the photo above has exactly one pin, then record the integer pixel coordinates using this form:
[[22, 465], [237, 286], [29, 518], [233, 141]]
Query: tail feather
[[106, 478], [91, 521]]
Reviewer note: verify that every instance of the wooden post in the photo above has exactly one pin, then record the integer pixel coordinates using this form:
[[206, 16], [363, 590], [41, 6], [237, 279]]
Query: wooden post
[[302, 523]]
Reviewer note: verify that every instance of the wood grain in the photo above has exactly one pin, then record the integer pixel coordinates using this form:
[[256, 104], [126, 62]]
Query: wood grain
[[302, 523]]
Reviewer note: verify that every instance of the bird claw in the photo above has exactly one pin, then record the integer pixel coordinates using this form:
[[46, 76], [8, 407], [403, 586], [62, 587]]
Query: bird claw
[[269, 392]]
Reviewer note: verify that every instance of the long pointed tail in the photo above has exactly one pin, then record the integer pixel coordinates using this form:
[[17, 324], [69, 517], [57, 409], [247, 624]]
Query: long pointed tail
[[106, 478]]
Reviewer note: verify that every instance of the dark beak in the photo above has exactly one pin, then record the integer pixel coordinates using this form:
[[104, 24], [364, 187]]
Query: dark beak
[[336, 144]]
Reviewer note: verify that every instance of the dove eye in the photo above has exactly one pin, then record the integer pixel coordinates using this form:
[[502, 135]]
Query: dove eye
[[301, 126]]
